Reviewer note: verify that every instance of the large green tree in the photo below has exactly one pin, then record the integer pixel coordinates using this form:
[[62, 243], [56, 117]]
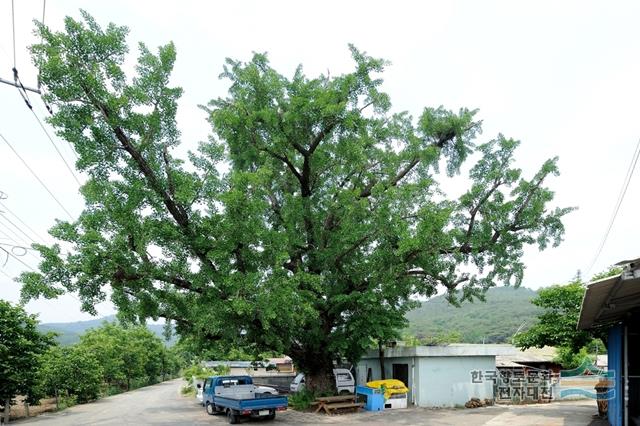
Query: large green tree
[[304, 225], [21, 345]]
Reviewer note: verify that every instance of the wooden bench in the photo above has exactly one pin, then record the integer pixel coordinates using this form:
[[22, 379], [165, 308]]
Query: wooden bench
[[330, 404]]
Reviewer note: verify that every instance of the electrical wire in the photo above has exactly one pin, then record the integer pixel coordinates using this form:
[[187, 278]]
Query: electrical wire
[[3, 206], [18, 228], [18, 259], [6, 275], [19, 244], [621, 195], [8, 237], [44, 129], [37, 177], [15, 238]]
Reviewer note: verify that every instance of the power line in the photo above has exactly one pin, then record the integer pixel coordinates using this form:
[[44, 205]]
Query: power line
[[23, 93], [18, 228], [56, 148], [15, 238], [623, 191], [36, 176], [21, 221], [20, 244], [17, 258]]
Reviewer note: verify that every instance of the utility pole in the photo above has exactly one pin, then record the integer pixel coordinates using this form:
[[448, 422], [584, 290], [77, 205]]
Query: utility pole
[[20, 86]]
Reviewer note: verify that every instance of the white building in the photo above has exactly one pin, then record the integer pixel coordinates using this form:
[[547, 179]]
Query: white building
[[437, 376]]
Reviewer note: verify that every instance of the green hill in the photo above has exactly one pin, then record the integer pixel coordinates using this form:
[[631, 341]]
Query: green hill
[[70, 332], [493, 321]]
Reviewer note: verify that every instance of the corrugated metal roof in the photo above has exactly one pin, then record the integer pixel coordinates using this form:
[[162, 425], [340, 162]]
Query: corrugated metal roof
[[608, 300], [545, 354]]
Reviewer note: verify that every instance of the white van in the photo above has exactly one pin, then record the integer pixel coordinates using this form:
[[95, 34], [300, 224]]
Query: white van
[[345, 382]]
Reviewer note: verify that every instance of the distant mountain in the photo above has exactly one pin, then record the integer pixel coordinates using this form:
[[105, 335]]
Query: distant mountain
[[493, 321], [70, 332]]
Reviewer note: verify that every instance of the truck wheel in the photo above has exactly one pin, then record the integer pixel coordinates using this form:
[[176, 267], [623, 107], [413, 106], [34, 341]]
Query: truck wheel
[[211, 409], [233, 419]]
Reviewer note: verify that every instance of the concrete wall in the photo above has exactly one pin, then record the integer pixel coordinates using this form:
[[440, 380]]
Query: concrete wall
[[446, 381], [374, 364]]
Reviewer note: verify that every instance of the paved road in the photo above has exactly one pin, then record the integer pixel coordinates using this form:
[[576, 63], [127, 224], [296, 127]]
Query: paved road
[[159, 404], [162, 404]]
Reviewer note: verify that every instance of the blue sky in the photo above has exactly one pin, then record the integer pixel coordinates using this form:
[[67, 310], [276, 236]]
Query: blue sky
[[560, 76]]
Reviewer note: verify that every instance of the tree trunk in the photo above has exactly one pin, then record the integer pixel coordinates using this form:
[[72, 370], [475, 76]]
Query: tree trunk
[[7, 411], [381, 358], [317, 364], [321, 382]]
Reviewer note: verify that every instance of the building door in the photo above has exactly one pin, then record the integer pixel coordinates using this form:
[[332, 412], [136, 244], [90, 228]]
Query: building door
[[401, 372]]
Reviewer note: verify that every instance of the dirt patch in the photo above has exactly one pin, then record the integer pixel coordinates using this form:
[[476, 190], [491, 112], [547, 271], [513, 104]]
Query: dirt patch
[[19, 410]]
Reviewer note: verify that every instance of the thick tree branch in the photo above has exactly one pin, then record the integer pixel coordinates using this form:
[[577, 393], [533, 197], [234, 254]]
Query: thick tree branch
[[121, 276], [176, 211], [351, 249], [366, 191], [474, 212]]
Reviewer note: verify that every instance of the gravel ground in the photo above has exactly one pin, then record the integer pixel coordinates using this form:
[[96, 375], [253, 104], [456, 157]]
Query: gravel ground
[[162, 404]]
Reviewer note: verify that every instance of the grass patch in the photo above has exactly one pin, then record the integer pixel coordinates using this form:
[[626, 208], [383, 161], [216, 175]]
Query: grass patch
[[301, 400], [188, 390]]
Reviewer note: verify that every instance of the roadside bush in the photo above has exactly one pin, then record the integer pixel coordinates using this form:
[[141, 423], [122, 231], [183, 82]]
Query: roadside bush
[[201, 373], [301, 400], [67, 401], [188, 390], [72, 371]]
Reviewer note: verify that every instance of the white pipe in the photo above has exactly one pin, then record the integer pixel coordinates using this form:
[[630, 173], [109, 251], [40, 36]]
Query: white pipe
[[413, 382]]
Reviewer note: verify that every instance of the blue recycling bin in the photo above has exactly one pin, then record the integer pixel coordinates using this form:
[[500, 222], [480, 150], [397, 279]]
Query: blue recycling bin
[[373, 398]]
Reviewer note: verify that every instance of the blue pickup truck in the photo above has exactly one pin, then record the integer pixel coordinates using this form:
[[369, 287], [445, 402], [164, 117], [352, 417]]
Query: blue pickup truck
[[236, 396]]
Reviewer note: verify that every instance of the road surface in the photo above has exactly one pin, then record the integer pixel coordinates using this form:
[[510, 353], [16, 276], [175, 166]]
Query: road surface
[[159, 404], [162, 404]]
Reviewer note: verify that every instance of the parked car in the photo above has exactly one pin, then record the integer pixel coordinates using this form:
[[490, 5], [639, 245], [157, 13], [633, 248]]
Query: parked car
[[237, 397], [345, 383], [267, 390]]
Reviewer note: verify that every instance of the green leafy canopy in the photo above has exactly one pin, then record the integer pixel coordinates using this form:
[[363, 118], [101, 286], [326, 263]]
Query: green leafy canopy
[[21, 346], [557, 324], [329, 220]]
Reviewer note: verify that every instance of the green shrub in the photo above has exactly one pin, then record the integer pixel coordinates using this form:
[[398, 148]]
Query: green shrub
[[301, 400], [201, 373], [67, 401], [188, 390]]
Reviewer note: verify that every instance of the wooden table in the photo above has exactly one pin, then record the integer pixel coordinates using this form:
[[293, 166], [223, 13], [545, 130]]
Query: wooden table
[[332, 403]]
